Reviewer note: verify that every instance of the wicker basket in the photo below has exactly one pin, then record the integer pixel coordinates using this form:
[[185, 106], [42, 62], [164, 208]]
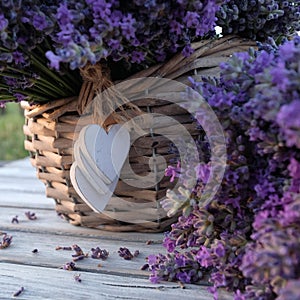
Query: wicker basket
[[51, 129]]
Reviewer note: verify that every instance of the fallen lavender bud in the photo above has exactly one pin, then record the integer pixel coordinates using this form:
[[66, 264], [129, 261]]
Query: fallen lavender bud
[[30, 215], [145, 267], [15, 220], [149, 242], [6, 241], [70, 266], [125, 253], [136, 253], [79, 257], [63, 248], [98, 253], [18, 292], [78, 251], [77, 277]]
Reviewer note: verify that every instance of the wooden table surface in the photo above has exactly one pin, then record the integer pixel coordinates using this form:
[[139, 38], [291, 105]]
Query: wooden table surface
[[40, 273]]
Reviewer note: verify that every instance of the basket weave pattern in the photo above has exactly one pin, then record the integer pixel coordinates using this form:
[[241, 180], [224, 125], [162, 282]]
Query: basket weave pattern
[[51, 130]]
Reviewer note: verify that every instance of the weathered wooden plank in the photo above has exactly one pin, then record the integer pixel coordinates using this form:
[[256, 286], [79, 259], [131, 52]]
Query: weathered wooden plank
[[17, 172], [25, 185], [25, 200], [47, 283], [20, 163], [20, 252], [48, 221]]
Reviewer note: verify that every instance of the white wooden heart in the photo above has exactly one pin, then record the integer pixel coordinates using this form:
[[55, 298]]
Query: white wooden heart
[[99, 155], [99, 185], [87, 140]]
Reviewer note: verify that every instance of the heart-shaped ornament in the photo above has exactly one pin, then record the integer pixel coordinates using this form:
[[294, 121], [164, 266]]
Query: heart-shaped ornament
[[98, 160]]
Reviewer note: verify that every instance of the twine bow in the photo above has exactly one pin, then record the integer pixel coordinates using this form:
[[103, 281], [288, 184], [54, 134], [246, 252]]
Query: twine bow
[[96, 78], [98, 87]]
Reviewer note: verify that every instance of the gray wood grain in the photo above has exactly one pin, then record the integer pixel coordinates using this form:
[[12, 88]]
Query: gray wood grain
[[25, 200], [48, 221], [23, 185], [20, 252], [47, 283]]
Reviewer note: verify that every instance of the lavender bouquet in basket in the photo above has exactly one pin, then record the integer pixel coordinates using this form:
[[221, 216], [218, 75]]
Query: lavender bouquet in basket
[[43, 44]]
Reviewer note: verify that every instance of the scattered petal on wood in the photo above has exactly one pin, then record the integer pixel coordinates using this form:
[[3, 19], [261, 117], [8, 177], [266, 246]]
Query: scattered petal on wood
[[145, 267], [78, 251], [126, 254], [98, 253], [77, 277], [79, 257], [18, 292], [6, 241], [30, 215], [15, 220], [63, 248], [69, 266]]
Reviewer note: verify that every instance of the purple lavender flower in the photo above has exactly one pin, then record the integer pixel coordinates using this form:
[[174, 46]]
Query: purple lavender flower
[[54, 60], [3, 22], [290, 291], [169, 244], [289, 121], [203, 171], [39, 21], [173, 172], [137, 57]]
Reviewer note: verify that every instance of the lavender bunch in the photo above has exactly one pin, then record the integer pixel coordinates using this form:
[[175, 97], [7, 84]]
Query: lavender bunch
[[136, 31], [259, 19], [248, 237], [43, 44], [24, 36]]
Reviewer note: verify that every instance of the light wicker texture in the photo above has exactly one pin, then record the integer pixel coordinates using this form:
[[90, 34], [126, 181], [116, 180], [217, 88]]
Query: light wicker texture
[[51, 129]]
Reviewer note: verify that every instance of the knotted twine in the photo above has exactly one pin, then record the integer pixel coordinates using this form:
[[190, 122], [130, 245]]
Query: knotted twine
[[98, 97]]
